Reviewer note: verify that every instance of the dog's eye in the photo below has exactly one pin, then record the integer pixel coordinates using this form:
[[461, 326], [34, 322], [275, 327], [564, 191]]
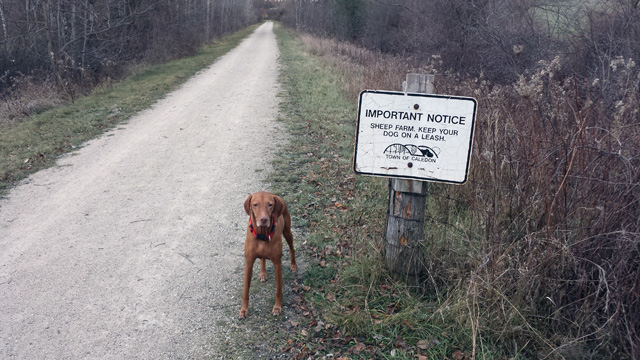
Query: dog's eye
[[270, 205]]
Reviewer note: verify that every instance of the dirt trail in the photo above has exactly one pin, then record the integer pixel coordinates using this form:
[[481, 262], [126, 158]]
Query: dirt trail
[[132, 246]]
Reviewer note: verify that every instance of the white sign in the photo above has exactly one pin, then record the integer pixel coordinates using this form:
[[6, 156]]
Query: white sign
[[414, 136]]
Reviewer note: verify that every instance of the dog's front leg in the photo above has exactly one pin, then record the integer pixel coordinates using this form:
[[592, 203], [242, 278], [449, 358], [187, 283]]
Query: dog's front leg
[[248, 273], [277, 267], [263, 270]]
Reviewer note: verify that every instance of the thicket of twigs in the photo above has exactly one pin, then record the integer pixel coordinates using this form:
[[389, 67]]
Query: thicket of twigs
[[542, 244], [52, 51]]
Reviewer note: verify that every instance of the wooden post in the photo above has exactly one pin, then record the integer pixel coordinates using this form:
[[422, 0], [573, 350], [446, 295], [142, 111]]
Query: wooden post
[[407, 202]]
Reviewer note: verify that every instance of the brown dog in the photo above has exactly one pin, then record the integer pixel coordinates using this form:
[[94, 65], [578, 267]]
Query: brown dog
[[269, 220]]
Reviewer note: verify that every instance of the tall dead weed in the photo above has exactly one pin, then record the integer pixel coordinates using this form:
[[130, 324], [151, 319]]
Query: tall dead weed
[[539, 251]]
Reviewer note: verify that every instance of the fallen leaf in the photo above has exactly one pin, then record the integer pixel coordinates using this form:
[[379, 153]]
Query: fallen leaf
[[400, 343], [303, 353], [331, 297], [458, 355], [357, 348], [323, 263], [293, 323], [304, 332], [422, 357], [423, 344], [391, 309]]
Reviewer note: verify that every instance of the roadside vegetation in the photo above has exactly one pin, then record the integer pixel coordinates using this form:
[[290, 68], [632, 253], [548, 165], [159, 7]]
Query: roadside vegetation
[[35, 142], [361, 311], [54, 51], [536, 257]]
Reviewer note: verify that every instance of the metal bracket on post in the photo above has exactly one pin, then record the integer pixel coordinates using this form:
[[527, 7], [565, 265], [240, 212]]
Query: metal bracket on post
[[407, 202]]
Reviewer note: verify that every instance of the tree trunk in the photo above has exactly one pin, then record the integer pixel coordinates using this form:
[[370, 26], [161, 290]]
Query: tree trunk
[[86, 33], [5, 36], [208, 20], [50, 50]]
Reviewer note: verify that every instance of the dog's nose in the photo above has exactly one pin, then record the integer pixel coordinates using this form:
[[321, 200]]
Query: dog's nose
[[264, 221]]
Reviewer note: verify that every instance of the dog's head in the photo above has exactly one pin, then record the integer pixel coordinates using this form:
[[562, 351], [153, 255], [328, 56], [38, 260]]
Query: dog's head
[[263, 208]]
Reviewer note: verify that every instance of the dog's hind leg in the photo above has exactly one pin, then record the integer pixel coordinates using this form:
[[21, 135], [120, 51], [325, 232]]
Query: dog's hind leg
[[292, 253]]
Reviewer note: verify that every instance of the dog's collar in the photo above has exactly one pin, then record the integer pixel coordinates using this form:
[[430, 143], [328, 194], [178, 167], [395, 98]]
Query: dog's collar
[[260, 236]]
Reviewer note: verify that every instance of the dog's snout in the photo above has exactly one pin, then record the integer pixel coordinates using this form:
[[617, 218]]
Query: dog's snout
[[264, 221]]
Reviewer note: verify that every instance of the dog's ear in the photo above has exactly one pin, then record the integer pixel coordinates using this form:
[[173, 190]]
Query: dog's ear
[[247, 205], [278, 206]]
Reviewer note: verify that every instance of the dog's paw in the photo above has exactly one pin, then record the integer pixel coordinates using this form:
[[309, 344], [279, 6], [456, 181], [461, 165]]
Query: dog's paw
[[263, 277], [243, 313], [276, 310], [293, 267]]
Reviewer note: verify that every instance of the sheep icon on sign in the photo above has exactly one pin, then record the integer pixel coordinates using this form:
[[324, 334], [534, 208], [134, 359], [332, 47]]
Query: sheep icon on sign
[[422, 150], [414, 136]]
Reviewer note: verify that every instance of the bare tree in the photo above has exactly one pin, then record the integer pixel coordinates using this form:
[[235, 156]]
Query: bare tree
[[86, 39], [3, 22]]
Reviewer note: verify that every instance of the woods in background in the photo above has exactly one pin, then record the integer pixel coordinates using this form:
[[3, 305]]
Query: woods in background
[[497, 38], [83, 41]]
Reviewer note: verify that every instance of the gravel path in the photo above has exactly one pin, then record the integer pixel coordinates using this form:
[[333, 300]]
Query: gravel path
[[132, 246]]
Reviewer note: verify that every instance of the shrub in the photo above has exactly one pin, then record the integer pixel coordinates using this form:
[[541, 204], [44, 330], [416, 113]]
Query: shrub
[[539, 251]]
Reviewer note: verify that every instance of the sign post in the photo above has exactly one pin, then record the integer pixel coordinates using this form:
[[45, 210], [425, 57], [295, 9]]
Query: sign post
[[412, 137]]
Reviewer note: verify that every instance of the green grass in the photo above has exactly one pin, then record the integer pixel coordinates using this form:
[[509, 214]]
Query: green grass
[[36, 142], [343, 217]]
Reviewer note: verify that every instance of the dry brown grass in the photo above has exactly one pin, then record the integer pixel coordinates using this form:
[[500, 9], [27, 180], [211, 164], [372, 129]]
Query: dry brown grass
[[365, 69], [28, 96], [539, 252]]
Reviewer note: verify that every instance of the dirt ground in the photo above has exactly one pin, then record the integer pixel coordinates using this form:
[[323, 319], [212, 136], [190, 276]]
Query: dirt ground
[[132, 246]]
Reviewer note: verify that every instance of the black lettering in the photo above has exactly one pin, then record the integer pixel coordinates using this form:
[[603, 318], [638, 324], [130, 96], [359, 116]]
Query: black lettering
[[381, 126], [446, 119]]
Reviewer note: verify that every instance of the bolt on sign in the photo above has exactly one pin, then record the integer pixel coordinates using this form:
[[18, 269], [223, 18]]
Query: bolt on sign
[[414, 136]]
